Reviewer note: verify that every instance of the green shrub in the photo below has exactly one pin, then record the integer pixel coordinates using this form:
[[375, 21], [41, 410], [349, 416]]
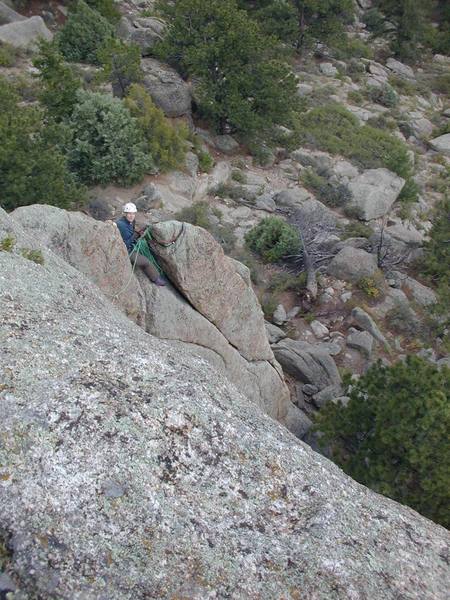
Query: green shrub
[[165, 143], [356, 97], [441, 84], [372, 287], [205, 161], [393, 434], [121, 64], [59, 85], [328, 193], [345, 47], [334, 129], [33, 169], [356, 229], [273, 239], [107, 144], [8, 55], [282, 282], [83, 34], [33, 255], [107, 8], [384, 95], [7, 243]]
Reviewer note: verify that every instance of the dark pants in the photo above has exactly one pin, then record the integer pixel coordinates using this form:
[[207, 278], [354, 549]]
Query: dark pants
[[141, 261]]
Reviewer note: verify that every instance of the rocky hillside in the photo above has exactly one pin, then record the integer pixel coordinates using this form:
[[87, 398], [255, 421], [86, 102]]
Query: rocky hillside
[[151, 439], [131, 470]]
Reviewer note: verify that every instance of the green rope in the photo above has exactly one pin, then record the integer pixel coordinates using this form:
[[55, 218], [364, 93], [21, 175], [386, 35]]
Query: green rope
[[142, 247]]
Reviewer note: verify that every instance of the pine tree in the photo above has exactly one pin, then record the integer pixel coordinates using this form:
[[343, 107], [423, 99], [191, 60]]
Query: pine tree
[[393, 434], [239, 82]]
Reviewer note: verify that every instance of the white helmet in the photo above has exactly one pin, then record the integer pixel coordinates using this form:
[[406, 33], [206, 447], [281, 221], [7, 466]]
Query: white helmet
[[129, 208]]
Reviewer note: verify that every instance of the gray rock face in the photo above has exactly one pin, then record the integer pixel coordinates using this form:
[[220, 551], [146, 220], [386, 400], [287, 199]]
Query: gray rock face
[[292, 198], [399, 68], [26, 33], [374, 192], [226, 144], [298, 422], [166, 87], [440, 144], [366, 322], [307, 363], [144, 32], [93, 247], [8, 15], [361, 341], [422, 294], [96, 249], [352, 264], [132, 469], [209, 280]]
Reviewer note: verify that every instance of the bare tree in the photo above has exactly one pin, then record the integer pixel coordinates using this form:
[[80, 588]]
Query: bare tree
[[314, 227], [390, 254]]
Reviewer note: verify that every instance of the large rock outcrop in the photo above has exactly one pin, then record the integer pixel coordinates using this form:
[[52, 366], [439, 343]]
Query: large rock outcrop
[[168, 90], [221, 321], [91, 247], [374, 192], [130, 470]]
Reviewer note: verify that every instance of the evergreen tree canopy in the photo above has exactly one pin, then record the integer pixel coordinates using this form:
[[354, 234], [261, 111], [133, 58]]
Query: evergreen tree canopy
[[393, 434], [32, 168], [301, 22], [239, 82], [58, 83]]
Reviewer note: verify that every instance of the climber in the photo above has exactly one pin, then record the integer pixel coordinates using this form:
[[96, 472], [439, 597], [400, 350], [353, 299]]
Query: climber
[[130, 234]]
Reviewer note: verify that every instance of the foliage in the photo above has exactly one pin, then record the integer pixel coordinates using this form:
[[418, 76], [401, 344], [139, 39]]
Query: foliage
[[32, 166], [247, 89], [7, 243], [435, 263], [205, 160], [107, 144], [372, 287], [273, 239], [356, 229], [33, 255], [393, 434], [8, 55], [121, 64], [384, 95], [83, 34], [329, 193], [334, 129], [301, 23], [405, 22], [165, 143], [107, 8], [282, 282], [59, 85]]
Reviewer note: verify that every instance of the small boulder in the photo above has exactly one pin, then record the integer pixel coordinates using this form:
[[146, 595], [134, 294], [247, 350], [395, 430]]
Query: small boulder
[[422, 294], [399, 68], [361, 341], [143, 32], [25, 34], [352, 264], [274, 333], [326, 395], [226, 144], [328, 69], [374, 192], [279, 317], [292, 198], [366, 322], [166, 87], [297, 422], [319, 329], [441, 144]]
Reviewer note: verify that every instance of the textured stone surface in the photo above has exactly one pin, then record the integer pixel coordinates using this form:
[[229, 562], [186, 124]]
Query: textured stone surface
[[399, 68], [366, 322], [441, 144], [166, 87], [422, 294], [374, 192], [307, 363], [361, 341], [93, 247], [96, 249], [25, 34], [8, 15], [210, 498], [144, 32], [209, 280], [352, 264]]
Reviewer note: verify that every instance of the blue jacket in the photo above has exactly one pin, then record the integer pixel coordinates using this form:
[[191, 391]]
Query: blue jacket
[[128, 233]]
